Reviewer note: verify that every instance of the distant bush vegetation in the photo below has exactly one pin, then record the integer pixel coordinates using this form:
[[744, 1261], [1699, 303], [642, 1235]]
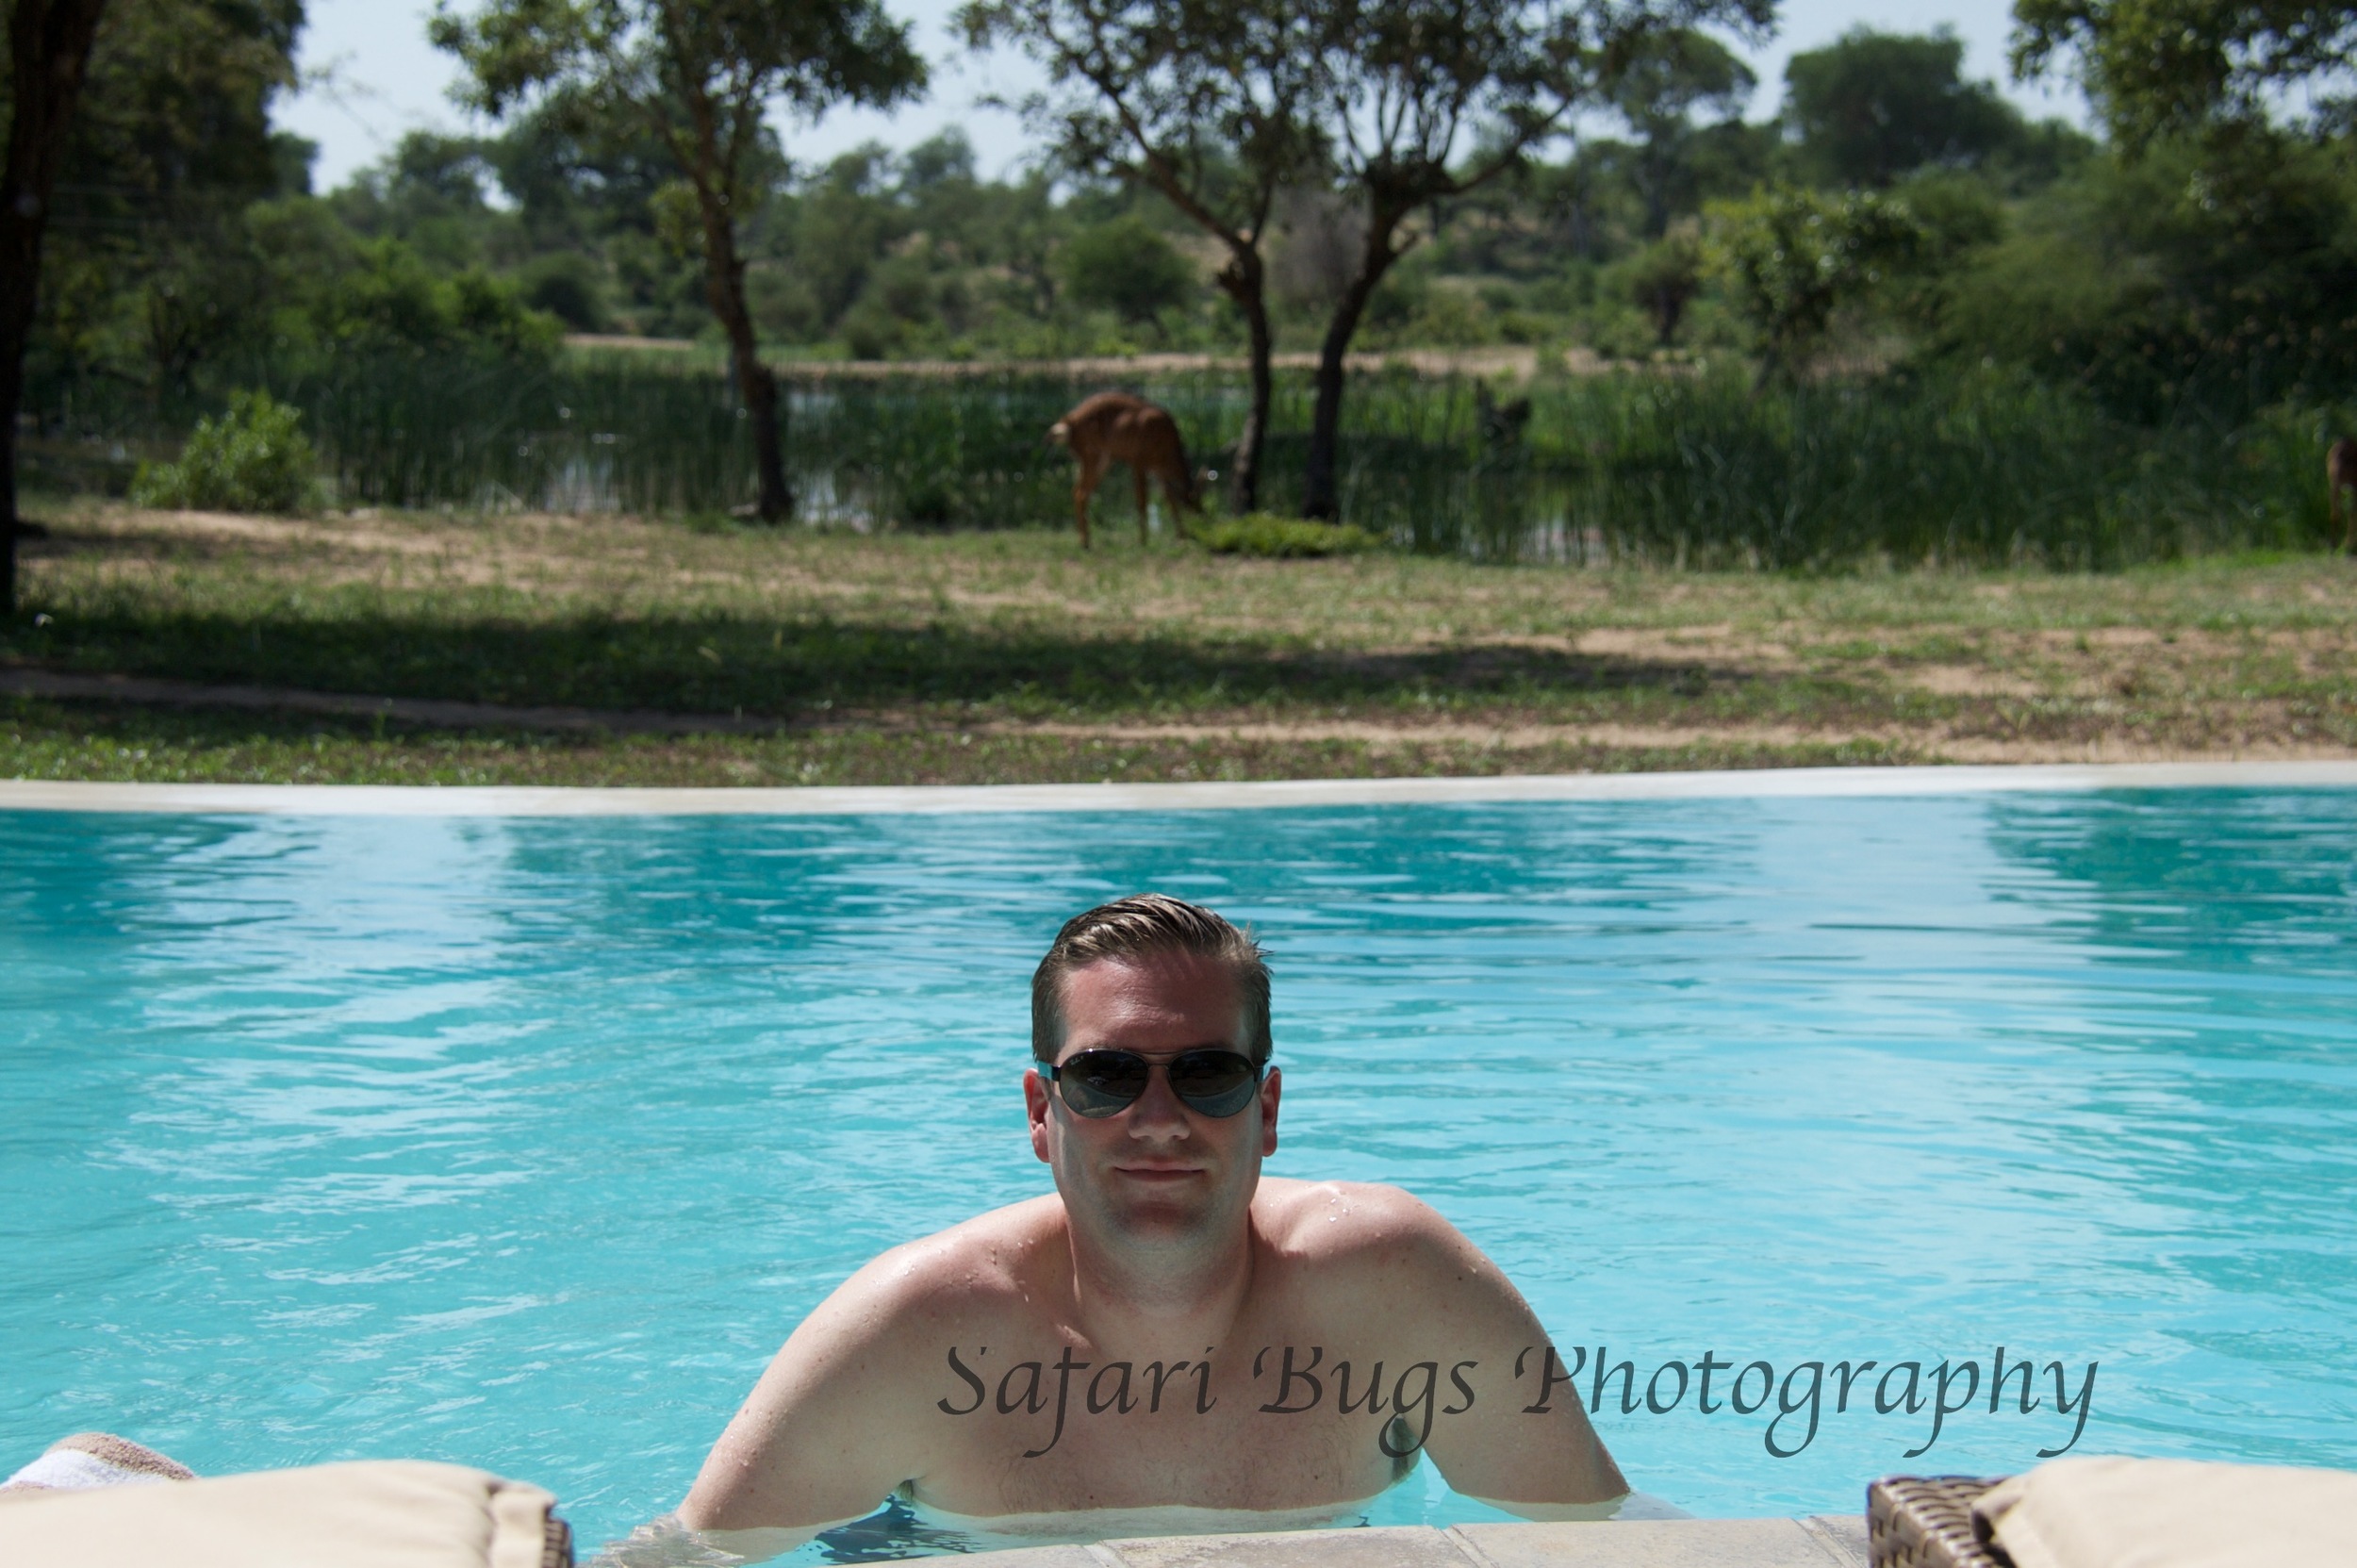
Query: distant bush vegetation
[[253, 459], [1260, 533]]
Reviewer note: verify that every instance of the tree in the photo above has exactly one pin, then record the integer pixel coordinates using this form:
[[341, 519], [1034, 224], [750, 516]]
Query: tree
[[577, 180], [1791, 258], [2223, 277], [49, 48], [1404, 82], [1203, 101], [1126, 266], [2163, 66], [1665, 79], [146, 267], [700, 75], [1873, 106], [1664, 277]]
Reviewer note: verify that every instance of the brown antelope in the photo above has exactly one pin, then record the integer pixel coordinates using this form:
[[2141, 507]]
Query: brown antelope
[[1114, 427], [2340, 475]]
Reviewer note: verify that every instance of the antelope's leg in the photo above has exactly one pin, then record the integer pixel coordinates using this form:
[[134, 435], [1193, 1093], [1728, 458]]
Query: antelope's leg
[[1137, 471], [1083, 487]]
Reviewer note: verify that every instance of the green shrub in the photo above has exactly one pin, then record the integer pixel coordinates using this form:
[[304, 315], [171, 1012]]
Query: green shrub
[[252, 460], [1663, 279], [1127, 267], [1790, 257], [567, 286], [1264, 533]]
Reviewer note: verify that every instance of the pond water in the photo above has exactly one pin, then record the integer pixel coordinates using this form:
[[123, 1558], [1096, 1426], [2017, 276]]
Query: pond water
[[523, 1143]]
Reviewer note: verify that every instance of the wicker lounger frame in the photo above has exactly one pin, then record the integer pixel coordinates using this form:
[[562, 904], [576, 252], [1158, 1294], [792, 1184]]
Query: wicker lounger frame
[[1926, 1521]]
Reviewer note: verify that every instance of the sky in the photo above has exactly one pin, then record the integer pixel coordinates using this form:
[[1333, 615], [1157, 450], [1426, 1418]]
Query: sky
[[369, 76]]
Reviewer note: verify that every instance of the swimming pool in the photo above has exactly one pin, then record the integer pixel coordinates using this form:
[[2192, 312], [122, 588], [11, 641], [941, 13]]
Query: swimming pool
[[522, 1143]]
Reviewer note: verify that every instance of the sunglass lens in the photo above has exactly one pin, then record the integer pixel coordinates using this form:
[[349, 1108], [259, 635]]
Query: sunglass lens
[[1103, 1082], [1215, 1082]]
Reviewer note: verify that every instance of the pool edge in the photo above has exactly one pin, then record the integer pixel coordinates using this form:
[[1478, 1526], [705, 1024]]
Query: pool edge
[[1816, 1541], [902, 800]]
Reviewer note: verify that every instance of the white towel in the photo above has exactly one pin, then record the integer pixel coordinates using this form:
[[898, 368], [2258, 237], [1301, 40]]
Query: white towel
[[88, 1459]]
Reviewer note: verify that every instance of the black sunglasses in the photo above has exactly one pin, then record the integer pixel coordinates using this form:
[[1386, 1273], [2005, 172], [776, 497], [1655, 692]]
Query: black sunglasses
[[1107, 1083]]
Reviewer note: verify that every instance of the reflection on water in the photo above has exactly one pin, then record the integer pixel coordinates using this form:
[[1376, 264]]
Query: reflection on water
[[524, 1144], [895, 1531], [903, 1528]]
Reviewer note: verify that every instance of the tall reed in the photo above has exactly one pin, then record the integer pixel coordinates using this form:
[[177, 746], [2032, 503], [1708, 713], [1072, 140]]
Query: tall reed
[[1955, 466]]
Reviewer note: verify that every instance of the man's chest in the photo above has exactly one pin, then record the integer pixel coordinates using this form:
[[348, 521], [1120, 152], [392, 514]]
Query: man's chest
[[1048, 1434]]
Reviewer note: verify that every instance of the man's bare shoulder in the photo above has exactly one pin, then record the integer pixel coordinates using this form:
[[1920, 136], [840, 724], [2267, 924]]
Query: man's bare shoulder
[[1359, 1253], [1346, 1224], [977, 1268]]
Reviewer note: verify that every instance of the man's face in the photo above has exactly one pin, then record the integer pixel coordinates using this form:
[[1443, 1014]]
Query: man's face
[[1158, 1170]]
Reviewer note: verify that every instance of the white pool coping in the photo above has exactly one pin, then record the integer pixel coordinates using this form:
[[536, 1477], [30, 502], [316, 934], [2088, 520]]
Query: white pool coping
[[1769, 784], [1817, 1541]]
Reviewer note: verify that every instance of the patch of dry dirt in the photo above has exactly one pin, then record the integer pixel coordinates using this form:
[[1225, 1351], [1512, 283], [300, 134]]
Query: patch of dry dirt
[[1720, 645], [1955, 680], [1941, 740]]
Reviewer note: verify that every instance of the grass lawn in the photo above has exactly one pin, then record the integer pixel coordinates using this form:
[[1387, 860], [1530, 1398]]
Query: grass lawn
[[740, 655]]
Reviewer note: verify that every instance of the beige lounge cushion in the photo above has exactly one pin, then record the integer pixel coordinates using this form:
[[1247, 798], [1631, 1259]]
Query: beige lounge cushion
[[397, 1513], [2172, 1513]]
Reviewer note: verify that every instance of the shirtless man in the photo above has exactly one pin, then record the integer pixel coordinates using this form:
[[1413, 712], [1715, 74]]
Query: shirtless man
[[1168, 1328]]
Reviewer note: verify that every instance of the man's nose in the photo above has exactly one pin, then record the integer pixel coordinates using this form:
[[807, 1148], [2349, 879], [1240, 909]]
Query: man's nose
[[1157, 1113]]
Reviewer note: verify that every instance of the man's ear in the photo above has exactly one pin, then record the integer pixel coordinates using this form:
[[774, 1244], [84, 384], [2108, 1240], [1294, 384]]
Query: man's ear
[[1035, 1107], [1272, 1089]]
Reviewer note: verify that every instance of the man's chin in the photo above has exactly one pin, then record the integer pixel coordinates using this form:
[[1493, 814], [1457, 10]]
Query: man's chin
[[1156, 1208], [1162, 1225]]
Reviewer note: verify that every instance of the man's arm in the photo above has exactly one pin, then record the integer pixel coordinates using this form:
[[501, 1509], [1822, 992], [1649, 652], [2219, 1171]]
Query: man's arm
[[1431, 1294], [827, 1432]]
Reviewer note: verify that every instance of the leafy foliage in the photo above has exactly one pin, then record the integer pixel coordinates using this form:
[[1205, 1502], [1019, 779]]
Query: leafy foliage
[[1791, 257], [1664, 278], [253, 459], [1663, 80], [1875, 106], [2164, 67], [146, 267], [1126, 266], [1263, 534], [387, 300], [2227, 278]]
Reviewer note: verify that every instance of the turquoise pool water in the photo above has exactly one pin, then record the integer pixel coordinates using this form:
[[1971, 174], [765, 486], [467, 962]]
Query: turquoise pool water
[[523, 1143]]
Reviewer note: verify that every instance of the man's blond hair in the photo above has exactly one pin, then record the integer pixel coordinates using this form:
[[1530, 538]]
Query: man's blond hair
[[1138, 929]]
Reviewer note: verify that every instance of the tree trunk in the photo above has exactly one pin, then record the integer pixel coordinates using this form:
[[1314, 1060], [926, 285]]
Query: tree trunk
[[49, 43], [1244, 280], [13, 333], [1320, 496], [724, 286]]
